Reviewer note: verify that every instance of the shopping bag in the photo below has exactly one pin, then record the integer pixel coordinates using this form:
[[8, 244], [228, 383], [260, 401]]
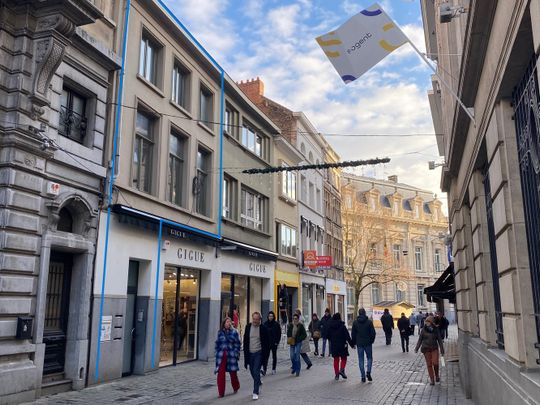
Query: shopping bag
[[442, 362]]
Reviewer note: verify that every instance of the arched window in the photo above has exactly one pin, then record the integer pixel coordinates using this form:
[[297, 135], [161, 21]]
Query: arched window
[[407, 205], [302, 148], [427, 210], [385, 202], [65, 223], [310, 157]]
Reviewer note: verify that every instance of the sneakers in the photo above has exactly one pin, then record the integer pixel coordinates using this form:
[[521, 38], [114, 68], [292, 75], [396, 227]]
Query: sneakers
[[273, 372], [336, 377], [316, 353], [363, 379], [255, 397], [342, 373], [309, 366], [368, 375]]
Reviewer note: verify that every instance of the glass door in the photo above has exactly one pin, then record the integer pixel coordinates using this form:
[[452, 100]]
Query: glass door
[[169, 308]]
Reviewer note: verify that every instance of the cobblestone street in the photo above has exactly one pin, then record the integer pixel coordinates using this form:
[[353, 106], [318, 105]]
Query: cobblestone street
[[398, 378]]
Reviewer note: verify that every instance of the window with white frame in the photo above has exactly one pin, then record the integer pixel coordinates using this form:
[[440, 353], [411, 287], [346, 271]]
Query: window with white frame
[[181, 78], [253, 207], [287, 245], [231, 121], [318, 197], [400, 294], [418, 258], [148, 59], [176, 167], [206, 108], [420, 295], [143, 152], [252, 140], [396, 249], [229, 189], [438, 264], [288, 183], [202, 182], [375, 293]]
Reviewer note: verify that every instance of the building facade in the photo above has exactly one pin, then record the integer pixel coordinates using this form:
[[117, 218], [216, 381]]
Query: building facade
[[58, 64], [185, 242], [488, 55], [393, 234]]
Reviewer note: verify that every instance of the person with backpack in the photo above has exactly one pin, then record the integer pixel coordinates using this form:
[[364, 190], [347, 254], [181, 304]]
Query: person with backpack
[[387, 322], [274, 332], [429, 343], [227, 352], [338, 334], [315, 331], [404, 328], [363, 336]]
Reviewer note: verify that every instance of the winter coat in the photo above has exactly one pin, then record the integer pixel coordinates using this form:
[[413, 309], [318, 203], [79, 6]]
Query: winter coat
[[301, 334], [305, 343], [429, 339], [228, 341], [404, 326], [265, 342], [339, 337], [324, 326], [412, 320], [274, 332], [387, 321], [314, 326], [363, 331], [444, 323]]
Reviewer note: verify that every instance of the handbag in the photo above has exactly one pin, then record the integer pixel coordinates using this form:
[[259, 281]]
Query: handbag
[[291, 341], [442, 362], [316, 334]]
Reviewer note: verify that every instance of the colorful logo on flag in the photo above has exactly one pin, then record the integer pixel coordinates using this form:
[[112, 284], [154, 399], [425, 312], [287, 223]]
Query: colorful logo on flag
[[361, 42]]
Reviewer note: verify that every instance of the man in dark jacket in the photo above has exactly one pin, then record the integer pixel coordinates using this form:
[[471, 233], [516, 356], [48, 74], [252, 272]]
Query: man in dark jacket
[[274, 333], [404, 327], [444, 327], [363, 335], [387, 322], [256, 347], [324, 331]]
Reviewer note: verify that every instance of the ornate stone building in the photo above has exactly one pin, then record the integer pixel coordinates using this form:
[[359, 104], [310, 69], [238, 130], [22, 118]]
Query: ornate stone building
[[395, 234], [57, 65], [487, 52]]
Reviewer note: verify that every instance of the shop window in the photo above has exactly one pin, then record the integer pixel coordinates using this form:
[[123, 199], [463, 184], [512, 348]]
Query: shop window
[[143, 152]]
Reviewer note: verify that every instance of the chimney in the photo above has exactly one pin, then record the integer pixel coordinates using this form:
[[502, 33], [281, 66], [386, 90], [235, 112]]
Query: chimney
[[253, 88], [393, 178]]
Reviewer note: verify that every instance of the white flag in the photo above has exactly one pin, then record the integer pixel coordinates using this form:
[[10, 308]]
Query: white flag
[[361, 42]]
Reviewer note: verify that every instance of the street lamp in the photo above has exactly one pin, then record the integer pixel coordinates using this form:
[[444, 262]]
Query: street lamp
[[432, 165]]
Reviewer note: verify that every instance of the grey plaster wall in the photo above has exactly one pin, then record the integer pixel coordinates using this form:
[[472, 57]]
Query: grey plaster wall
[[209, 314]]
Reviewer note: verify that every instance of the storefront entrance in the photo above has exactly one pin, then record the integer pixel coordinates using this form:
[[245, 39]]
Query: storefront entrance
[[240, 297], [179, 320]]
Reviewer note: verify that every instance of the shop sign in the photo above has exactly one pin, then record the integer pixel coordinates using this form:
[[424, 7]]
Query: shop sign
[[312, 261], [191, 255], [257, 268], [324, 261]]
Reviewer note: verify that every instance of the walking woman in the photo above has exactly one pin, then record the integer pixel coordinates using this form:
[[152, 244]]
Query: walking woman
[[296, 333], [305, 348], [338, 334], [429, 343], [227, 355], [274, 330], [315, 330]]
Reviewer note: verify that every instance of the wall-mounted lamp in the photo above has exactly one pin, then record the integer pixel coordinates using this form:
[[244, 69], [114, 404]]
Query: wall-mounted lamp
[[447, 12], [432, 165]]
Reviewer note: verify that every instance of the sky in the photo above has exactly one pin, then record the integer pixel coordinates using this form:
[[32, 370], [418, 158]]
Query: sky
[[275, 40]]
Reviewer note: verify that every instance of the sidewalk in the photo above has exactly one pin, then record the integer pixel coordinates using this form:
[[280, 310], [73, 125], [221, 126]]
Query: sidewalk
[[399, 378]]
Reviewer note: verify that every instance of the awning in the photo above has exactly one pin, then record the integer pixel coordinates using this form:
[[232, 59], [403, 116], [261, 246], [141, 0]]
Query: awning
[[248, 250], [170, 229], [444, 287]]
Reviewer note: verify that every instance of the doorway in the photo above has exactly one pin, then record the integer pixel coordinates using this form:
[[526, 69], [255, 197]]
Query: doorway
[[57, 312], [130, 335]]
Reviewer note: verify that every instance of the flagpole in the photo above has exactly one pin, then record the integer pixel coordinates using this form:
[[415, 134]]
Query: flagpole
[[448, 87]]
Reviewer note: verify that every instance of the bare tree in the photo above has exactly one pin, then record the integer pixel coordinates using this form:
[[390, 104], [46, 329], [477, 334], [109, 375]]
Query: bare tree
[[367, 248]]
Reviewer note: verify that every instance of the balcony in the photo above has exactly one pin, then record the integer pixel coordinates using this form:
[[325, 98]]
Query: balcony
[[72, 125]]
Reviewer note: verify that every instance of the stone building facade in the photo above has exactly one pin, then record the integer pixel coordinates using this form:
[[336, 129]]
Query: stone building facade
[[488, 53], [401, 234], [57, 67]]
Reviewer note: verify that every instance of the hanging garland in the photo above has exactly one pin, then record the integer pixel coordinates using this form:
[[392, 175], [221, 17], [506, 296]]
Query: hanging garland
[[349, 163]]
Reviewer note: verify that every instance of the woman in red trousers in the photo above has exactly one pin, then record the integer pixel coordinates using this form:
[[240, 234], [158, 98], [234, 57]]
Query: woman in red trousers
[[429, 343], [227, 355], [339, 336]]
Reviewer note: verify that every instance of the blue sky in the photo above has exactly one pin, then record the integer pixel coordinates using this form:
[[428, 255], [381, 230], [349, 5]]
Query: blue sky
[[275, 40]]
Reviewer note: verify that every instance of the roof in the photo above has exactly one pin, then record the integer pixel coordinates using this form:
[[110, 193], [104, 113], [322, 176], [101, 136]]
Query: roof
[[393, 304]]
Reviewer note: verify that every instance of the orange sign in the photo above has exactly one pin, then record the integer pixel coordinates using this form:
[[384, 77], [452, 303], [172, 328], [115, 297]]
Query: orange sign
[[312, 261]]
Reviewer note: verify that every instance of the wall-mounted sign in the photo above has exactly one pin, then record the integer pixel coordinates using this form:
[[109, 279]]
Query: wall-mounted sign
[[106, 328], [312, 261], [53, 188], [257, 267]]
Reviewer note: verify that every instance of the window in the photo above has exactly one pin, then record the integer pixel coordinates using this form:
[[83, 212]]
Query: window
[[311, 195], [348, 201], [229, 190], [397, 255], [176, 168], [288, 183], [143, 152], [230, 121], [73, 119], [400, 294], [201, 187], [438, 266], [206, 113], [303, 189], [375, 293], [148, 59], [418, 258], [318, 200], [385, 202], [302, 148], [287, 245], [252, 140], [420, 295], [310, 157], [351, 298], [253, 207], [407, 205], [181, 79]]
